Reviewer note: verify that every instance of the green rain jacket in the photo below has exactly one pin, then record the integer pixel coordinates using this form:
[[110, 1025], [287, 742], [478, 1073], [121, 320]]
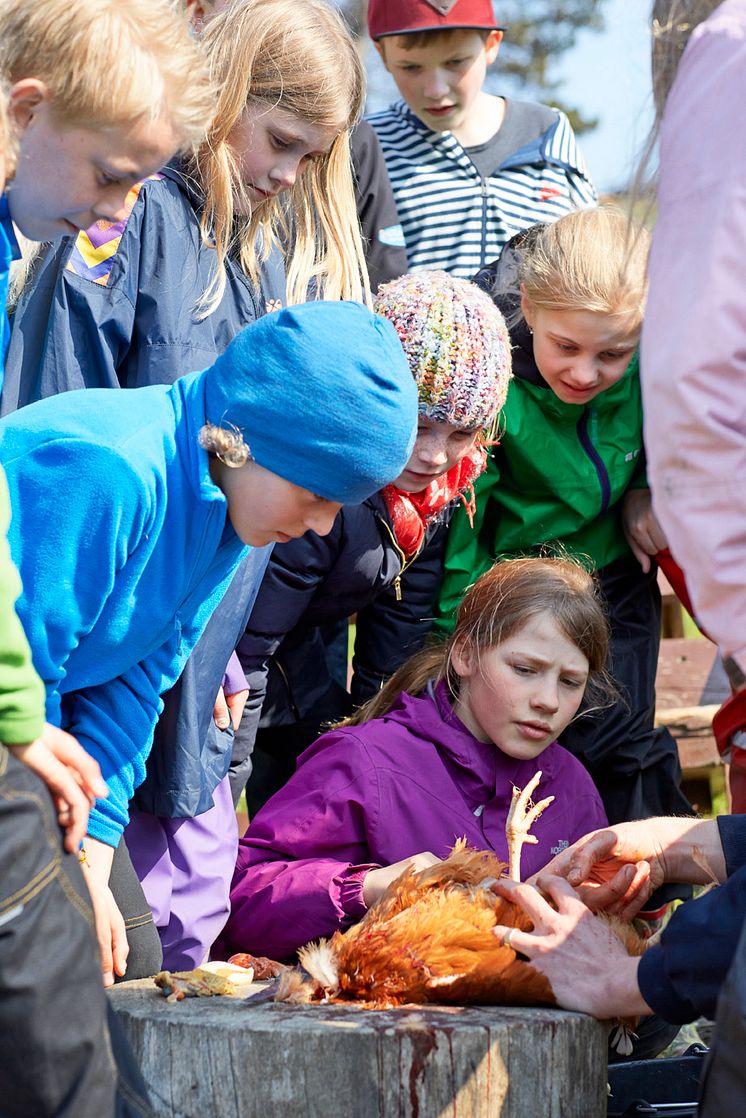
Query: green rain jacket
[[555, 481]]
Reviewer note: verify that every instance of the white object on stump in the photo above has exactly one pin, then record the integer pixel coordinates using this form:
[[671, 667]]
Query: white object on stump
[[222, 1058]]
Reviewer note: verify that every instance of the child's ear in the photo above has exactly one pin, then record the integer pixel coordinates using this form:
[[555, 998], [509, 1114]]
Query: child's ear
[[380, 48], [463, 659], [492, 46], [25, 98], [527, 309]]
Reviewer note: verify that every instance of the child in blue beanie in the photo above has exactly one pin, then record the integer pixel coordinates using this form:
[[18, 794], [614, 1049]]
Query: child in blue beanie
[[120, 579]]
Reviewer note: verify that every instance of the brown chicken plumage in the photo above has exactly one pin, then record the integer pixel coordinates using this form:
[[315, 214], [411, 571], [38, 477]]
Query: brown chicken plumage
[[430, 939]]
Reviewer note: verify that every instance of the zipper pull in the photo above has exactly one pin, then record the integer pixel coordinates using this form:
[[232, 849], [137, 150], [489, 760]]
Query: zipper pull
[[397, 587]]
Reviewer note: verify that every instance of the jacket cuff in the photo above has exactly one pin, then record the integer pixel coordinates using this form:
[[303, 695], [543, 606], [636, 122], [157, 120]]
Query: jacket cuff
[[234, 679], [732, 830], [659, 992], [348, 887]]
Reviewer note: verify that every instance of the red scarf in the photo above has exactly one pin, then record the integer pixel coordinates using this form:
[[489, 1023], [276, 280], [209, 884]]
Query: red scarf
[[412, 512]]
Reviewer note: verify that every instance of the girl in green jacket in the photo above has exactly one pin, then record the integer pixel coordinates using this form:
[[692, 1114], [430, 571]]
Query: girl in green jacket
[[568, 476]]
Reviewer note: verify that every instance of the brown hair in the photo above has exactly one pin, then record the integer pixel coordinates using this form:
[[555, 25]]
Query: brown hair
[[500, 603], [413, 40]]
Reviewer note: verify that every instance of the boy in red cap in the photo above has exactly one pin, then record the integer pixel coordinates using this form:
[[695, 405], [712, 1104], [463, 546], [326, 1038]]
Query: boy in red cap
[[469, 169]]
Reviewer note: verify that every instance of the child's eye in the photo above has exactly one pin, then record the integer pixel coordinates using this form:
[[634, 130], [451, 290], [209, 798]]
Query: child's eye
[[574, 683], [523, 669], [107, 180], [457, 61], [566, 347], [278, 142], [613, 355]]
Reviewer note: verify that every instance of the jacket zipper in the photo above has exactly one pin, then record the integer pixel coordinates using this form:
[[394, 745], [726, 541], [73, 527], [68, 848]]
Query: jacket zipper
[[586, 440], [485, 195], [402, 558]]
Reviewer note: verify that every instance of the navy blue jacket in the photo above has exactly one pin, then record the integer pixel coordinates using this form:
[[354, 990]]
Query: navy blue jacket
[[314, 581], [680, 978], [127, 321]]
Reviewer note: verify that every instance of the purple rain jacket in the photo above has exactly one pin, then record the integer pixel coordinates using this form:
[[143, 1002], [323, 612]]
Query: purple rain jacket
[[370, 795]]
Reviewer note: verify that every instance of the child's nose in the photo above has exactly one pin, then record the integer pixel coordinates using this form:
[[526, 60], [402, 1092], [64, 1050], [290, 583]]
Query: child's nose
[[111, 207], [584, 372], [285, 174], [321, 519], [434, 452], [546, 697], [435, 85]]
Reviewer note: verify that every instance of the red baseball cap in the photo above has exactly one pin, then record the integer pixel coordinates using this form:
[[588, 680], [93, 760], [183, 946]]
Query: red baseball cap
[[402, 17]]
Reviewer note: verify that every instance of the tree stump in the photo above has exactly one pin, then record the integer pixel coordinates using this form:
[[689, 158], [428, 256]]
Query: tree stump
[[221, 1058]]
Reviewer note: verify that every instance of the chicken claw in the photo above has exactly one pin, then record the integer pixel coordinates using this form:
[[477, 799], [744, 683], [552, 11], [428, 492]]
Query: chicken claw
[[521, 818]]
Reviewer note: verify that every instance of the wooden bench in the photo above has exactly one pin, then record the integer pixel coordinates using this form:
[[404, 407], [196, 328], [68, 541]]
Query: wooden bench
[[686, 700], [221, 1058]]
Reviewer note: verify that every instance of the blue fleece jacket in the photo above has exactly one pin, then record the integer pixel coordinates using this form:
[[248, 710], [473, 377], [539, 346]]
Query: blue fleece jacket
[[119, 504]]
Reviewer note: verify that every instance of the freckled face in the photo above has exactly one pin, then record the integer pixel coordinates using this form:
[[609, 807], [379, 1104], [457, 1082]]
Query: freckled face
[[439, 446], [524, 692], [273, 148], [579, 353]]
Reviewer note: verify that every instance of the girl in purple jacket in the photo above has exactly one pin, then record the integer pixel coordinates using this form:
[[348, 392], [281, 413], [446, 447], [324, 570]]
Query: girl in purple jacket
[[433, 758]]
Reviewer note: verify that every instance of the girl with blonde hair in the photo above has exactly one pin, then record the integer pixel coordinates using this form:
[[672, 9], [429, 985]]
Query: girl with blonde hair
[[570, 473], [195, 254], [433, 758]]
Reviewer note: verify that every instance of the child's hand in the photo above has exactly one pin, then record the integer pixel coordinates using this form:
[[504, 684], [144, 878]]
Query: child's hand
[[228, 709], [377, 881], [110, 929], [71, 774], [644, 534]]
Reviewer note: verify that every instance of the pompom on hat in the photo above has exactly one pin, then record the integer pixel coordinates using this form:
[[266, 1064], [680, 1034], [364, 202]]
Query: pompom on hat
[[457, 345], [406, 17], [322, 394]]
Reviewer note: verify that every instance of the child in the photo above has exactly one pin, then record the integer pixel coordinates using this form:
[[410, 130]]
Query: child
[[431, 759], [570, 472], [84, 142], [57, 1048], [383, 559], [120, 582], [161, 294], [385, 256], [468, 170]]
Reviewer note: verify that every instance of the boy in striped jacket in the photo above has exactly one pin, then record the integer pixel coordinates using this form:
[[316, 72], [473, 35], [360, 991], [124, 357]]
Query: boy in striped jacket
[[469, 170]]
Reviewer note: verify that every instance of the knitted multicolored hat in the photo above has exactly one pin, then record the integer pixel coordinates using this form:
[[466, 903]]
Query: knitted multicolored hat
[[457, 345]]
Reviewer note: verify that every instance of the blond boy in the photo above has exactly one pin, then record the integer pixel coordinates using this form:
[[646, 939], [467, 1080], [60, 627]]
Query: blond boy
[[469, 170], [100, 93]]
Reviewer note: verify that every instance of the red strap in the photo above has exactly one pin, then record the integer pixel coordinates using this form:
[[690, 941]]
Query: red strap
[[675, 576]]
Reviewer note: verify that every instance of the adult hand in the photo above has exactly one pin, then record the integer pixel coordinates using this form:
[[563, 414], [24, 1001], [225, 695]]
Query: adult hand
[[72, 776], [110, 929], [644, 534], [614, 870], [617, 868], [228, 709], [586, 965], [377, 881]]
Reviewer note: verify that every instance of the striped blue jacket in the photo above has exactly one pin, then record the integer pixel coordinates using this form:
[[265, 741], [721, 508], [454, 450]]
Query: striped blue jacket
[[455, 219]]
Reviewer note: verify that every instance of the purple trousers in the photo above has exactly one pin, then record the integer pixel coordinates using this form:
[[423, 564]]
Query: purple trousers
[[185, 868]]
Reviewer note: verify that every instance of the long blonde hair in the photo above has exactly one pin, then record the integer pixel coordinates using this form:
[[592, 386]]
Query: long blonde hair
[[500, 603], [299, 57], [594, 259], [108, 63]]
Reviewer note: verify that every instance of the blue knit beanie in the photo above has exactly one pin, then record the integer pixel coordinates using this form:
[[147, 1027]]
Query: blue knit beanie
[[323, 395]]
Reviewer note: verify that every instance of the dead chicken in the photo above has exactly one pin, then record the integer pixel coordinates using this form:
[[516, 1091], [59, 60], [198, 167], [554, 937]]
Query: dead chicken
[[429, 938]]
